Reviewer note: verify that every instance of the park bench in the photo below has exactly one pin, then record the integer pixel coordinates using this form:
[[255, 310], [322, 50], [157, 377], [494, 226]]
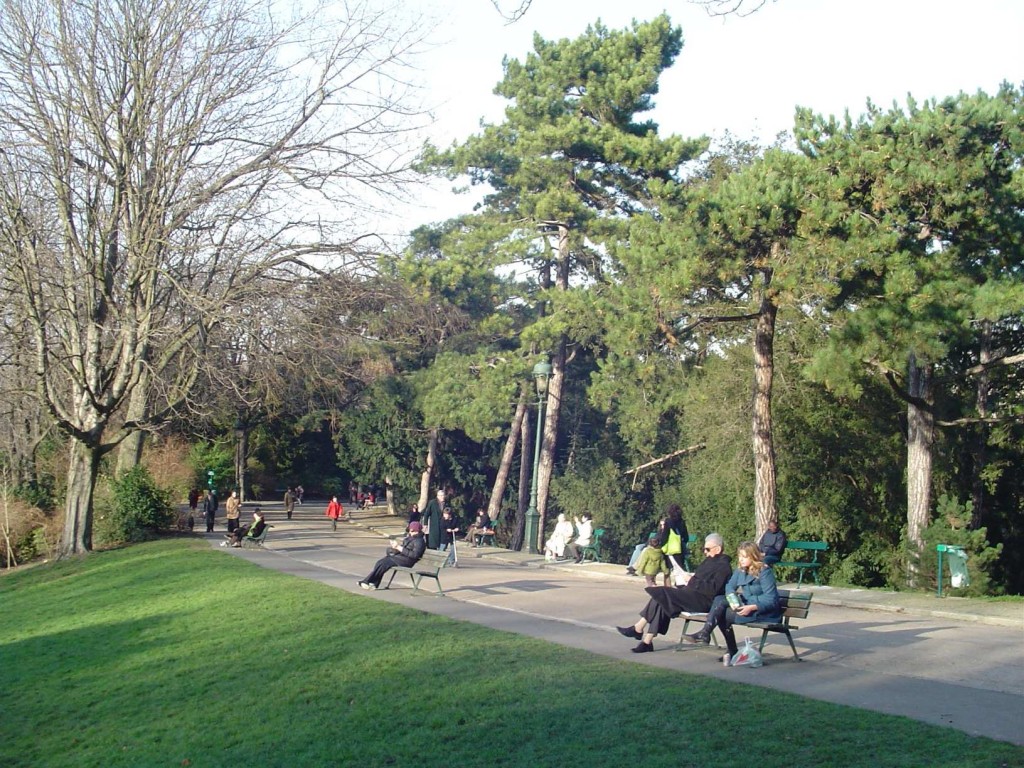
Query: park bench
[[486, 536], [427, 567], [593, 549], [795, 605], [812, 565], [256, 542]]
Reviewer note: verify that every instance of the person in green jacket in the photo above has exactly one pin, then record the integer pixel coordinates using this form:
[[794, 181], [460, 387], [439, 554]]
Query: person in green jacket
[[652, 561]]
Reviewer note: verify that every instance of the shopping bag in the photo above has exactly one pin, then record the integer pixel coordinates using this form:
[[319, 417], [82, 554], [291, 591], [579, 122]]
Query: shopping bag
[[747, 656]]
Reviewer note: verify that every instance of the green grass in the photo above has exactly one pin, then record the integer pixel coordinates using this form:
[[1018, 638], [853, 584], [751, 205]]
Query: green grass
[[139, 657]]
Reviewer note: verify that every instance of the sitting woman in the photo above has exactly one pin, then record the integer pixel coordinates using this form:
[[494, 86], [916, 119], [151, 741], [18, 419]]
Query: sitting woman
[[750, 595], [251, 531], [554, 549]]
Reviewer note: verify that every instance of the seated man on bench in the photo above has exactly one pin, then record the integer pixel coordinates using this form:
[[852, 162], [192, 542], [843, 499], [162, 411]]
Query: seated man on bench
[[707, 582], [251, 531], [405, 554]]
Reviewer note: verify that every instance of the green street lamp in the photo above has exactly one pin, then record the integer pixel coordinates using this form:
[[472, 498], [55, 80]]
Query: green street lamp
[[541, 375]]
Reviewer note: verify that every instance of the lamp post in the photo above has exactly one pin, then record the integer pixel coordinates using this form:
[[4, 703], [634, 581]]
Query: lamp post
[[541, 374]]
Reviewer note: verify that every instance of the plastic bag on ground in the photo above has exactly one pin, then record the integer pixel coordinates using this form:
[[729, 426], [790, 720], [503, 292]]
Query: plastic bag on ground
[[747, 656]]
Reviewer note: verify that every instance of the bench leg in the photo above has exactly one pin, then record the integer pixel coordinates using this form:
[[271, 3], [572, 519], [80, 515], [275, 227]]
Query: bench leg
[[764, 636], [391, 577], [686, 625]]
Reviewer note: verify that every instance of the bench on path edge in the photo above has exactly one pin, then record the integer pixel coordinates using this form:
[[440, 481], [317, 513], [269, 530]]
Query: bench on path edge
[[795, 605], [255, 542], [811, 565], [427, 567]]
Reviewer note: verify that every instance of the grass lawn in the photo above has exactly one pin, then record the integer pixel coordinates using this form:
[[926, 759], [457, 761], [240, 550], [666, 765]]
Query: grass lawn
[[172, 654]]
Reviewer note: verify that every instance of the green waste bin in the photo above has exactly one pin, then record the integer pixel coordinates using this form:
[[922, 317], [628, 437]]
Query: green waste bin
[[957, 557]]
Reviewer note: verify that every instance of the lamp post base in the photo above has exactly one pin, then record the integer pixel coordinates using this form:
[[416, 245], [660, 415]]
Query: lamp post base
[[530, 533]]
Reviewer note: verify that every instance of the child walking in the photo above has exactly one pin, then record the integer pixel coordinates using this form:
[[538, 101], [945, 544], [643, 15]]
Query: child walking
[[652, 561]]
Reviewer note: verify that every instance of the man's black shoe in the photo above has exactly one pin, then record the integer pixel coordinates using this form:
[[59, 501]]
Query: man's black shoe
[[644, 648], [630, 632]]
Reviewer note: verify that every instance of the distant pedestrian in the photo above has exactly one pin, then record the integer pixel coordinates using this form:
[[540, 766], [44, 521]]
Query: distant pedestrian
[[232, 509], [334, 511], [209, 510], [289, 502], [431, 520], [298, 494]]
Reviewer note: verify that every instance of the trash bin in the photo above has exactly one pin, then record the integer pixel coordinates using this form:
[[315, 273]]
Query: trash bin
[[957, 557]]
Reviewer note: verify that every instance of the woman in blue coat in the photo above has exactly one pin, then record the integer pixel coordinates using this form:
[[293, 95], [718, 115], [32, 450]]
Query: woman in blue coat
[[750, 595]]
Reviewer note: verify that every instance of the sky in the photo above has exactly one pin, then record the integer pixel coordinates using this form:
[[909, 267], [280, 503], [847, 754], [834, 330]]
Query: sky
[[745, 75]]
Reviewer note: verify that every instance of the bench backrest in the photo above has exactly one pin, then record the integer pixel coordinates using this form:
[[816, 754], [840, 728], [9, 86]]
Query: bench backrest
[[433, 558], [795, 604], [819, 545]]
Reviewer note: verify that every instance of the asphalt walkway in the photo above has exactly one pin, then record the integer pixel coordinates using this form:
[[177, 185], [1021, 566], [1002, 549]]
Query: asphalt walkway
[[957, 662]]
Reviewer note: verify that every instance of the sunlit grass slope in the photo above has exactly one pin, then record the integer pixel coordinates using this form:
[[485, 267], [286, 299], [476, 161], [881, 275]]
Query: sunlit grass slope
[[174, 654]]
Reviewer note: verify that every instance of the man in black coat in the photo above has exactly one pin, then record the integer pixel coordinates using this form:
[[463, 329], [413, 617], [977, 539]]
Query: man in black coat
[[696, 596], [407, 553]]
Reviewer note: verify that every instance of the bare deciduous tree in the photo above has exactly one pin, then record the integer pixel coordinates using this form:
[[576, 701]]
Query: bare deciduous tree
[[158, 157]]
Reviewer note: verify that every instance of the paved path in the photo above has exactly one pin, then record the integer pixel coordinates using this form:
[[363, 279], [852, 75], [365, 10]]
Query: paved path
[[953, 662]]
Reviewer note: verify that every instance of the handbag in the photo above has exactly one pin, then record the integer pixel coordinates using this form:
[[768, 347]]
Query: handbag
[[679, 576]]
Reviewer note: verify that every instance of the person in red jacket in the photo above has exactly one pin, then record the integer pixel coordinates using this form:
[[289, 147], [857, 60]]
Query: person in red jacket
[[335, 511]]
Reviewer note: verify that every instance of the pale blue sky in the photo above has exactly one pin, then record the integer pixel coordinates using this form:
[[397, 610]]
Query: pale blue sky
[[745, 75]]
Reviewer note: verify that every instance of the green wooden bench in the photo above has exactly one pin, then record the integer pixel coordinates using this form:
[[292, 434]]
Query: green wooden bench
[[255, 542], [427, 567], [812, 565], [795, 605], [593, 549], [486, 536]]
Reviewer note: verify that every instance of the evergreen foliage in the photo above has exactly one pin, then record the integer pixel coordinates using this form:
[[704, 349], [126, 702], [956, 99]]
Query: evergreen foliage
[[140, 507]]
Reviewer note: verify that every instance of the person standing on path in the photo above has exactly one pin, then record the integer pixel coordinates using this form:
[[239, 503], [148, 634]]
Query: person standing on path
[[431, 520], [298, 494], [289, 502], [232, 509], [209, 510]]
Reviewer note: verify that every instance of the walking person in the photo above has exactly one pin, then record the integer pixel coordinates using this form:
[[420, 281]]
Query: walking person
[[334, 511], [289, 502]]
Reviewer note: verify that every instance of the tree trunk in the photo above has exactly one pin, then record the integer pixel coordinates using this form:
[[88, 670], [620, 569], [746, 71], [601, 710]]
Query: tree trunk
[[428, 472], [241, 456], [389, 495], [765, 503], [83, 468], [507, 456], [920, 438], [129, 452], [554, 397], [979, 438]]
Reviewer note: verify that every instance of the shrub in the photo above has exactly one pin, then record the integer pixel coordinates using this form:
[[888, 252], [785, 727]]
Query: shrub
[[140, 506]]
